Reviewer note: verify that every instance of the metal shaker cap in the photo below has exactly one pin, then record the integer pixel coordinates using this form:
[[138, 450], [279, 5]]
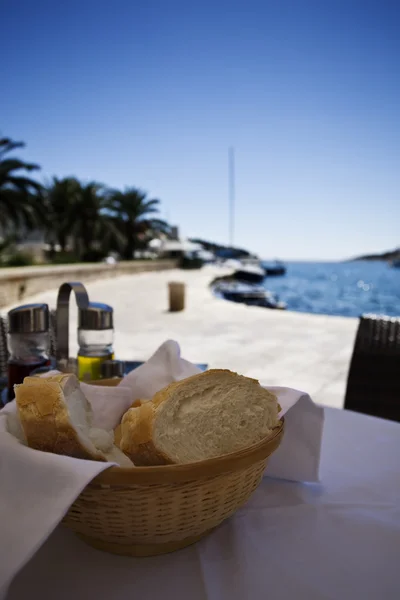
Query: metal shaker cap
[[97, 316], [112, 368], [29, 318]]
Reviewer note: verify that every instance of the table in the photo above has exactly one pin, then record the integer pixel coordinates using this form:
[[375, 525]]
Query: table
[[337, 540]]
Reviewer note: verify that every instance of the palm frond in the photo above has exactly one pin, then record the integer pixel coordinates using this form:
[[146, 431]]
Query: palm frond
[[23, 183], [14, 164], [8, 145], [21, 198]]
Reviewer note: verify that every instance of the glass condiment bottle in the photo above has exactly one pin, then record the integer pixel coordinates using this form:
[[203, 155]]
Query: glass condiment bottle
[[95, 339], [28, 342]]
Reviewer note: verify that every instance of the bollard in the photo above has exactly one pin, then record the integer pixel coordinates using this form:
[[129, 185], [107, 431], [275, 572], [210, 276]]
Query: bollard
[[176, 296]]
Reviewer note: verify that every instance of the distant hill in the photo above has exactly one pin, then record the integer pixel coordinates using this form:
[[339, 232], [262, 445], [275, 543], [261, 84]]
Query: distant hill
[[222, 251], [388, 256]]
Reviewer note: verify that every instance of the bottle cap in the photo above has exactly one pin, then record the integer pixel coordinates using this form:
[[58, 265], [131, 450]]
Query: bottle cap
[[29, 318], [96, 317]]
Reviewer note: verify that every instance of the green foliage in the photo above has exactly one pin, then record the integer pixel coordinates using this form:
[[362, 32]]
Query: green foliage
[[61, 200], [97, 221], [21, 199], [19, 259], [75, 218], [64, 258], [81, 221], [129, 211], [94, 255]]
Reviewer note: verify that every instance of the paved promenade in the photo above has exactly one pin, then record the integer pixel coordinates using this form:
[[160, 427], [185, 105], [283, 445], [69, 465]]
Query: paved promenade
[[308, 352]]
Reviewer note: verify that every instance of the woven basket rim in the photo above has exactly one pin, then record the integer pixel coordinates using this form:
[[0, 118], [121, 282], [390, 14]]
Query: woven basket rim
[[118, 476]]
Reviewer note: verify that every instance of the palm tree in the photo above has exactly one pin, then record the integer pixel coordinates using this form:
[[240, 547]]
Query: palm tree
[[156, 227], [76, 213], [130, 209], [21, 201], [62, 197], [90, 225]]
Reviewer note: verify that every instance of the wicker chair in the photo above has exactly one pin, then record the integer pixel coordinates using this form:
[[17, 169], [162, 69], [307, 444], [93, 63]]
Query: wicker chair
[[373, 385]]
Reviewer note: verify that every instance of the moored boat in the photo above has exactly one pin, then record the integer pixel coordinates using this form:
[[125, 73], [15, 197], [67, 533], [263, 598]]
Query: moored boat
[[249, 273], [272, 270], [245, 293]]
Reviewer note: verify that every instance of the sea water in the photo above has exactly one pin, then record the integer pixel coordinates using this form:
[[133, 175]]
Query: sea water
[[348, 289]]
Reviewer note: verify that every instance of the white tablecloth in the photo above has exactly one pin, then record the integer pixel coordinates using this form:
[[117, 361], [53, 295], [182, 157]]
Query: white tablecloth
[[340, 539]]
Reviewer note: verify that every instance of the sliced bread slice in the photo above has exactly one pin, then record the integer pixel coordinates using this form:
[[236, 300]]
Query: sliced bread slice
[[56, 417], [205, 416]]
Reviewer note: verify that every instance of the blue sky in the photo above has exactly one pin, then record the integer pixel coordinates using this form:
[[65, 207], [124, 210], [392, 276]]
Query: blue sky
[[153, 93]]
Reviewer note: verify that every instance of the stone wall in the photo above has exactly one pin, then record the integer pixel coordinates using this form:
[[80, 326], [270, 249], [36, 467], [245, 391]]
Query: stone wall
[[16, 284]]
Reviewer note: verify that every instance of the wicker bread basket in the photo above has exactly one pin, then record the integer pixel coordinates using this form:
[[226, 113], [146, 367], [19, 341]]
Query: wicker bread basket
[[146, 511]]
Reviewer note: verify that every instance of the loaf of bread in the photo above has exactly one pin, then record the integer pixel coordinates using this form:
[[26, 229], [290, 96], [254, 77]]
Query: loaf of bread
[[56, 417], [205, 416]]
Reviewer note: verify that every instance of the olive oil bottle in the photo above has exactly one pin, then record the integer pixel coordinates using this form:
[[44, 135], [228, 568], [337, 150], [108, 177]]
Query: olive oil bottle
[[95, 339]]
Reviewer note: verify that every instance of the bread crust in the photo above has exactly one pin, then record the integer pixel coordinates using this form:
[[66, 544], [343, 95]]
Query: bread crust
[[137, 403], [136, 439], [136, 436], [45, 420]]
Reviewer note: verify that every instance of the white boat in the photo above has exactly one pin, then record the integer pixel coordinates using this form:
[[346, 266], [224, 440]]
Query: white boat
[[246, 293], [249, 273]]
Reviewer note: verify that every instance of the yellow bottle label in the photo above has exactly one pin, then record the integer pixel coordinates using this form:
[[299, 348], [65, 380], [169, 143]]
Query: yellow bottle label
[[89, 367]]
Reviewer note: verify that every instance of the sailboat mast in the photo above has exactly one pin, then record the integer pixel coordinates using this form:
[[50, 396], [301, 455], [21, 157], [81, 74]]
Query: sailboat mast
[[231, 167]]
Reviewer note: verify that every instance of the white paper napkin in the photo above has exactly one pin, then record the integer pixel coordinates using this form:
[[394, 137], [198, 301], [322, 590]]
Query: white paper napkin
[[164, 367], [298, 455], [37, 488]]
